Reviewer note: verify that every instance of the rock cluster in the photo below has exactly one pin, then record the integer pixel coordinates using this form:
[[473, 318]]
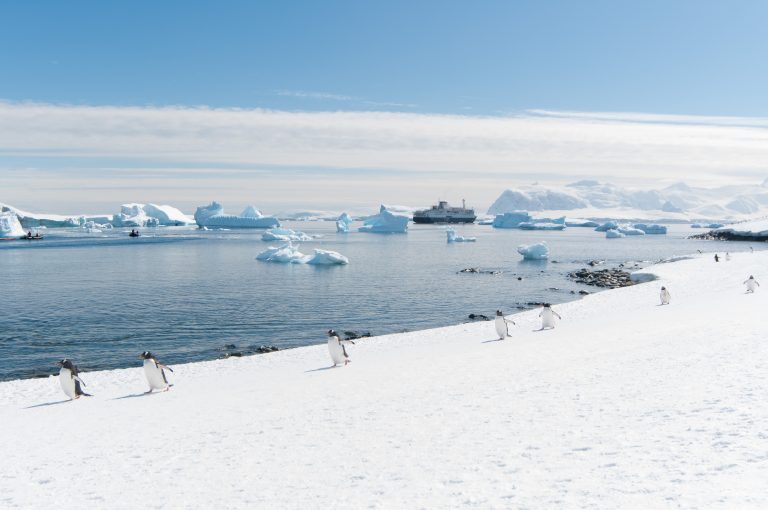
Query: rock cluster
[[714, 235], [609, 278]]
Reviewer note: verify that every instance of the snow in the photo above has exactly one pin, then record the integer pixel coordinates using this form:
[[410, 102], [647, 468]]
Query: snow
[[614, 234], [289, 254], [511, 219], [386, 222], [9, 225], [538, 251], [284, 234], [625, 404], [343, 223], [212, 215], [452, 237], [754, 228]]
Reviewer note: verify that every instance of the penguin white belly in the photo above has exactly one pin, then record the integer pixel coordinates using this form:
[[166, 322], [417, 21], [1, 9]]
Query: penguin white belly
[[664, 298], [337, 353], [751, 286], [154, 375], [501, 327], [67, 382], [547, 319]]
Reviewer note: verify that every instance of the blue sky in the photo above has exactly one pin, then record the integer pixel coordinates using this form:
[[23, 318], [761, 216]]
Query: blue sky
[[297, 105], [488, 57]]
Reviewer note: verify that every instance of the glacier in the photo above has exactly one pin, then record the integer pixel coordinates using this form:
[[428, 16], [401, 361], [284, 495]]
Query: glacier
[[212, 215], [538, 251], [386, 222]]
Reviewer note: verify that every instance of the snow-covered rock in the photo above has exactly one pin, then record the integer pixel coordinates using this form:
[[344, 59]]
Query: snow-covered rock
[[343, 223], [386, 222], [454, 238], [754, 228], [212, 215], [511, 219], [614, 234], [538, 251], [284, 234], [10, 226], [654, 229]]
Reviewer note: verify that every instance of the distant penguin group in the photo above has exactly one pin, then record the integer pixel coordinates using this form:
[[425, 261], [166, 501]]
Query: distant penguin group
[[72, 384]]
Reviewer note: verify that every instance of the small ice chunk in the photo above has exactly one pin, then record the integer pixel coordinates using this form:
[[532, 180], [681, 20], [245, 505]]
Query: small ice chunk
[[286, 253], [453, 238], [327, 258], [538, 251], [613, 234], [343, 223]]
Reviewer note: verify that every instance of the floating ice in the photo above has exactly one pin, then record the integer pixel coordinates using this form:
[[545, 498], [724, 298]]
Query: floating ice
[[580, 222], [327, 258], [613, 234], [10, 225], [608, 225], [630, 231], [538, 251], [149, 215], [386, 222], [651, 229], [213, 216], [290, 254], [453, 238], [511, 219], [537, 225], [284, 234], [343, 223]]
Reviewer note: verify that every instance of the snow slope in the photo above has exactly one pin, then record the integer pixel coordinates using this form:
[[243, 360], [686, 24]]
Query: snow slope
[[625, 404]]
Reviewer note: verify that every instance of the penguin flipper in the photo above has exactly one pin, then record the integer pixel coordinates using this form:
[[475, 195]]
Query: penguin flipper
[[78, 390]]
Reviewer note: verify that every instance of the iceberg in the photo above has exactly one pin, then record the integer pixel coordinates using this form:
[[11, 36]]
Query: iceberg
[[289, 254], [630, 231], [511, 219], [536, 225], [327, 258], [284, 234], [580, 222], [453, 238], [148, 215], [614, 234], [343, 223], [167, 215], [212, 215], [10, 225], [386, 222], [651, 229], [538, 251], [608, 225], [706, 225]]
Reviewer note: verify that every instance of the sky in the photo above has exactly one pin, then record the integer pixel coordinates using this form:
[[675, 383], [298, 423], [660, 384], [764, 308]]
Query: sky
[[319, 105]]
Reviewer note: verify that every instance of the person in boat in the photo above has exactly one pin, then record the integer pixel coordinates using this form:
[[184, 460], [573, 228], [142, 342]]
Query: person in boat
[[29, 234]]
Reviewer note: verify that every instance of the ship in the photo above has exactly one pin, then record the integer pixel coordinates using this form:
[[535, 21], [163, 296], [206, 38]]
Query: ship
[[443, 213]]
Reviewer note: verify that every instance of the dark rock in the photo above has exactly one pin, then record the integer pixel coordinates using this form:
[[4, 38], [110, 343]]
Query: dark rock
[[230, 346], [479, 317], [352, 335], [236, 354], [583, 292]]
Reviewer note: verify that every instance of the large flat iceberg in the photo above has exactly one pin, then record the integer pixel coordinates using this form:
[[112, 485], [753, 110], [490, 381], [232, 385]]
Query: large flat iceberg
[[386, 222], [10, 225], [212, 215], [538, 251]]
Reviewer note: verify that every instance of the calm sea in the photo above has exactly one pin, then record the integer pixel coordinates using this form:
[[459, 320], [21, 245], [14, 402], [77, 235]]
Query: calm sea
[[190, 295]]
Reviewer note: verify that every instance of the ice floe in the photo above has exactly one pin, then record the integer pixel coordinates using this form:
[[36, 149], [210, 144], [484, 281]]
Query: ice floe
[[284, 234], [290, 254], [454, 238], [614, 234]]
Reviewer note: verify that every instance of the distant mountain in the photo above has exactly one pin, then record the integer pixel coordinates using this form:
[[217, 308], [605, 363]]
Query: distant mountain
[[678, 201]]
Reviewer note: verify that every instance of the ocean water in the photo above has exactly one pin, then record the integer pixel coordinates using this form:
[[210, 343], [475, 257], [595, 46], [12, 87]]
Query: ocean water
[[190, 295]]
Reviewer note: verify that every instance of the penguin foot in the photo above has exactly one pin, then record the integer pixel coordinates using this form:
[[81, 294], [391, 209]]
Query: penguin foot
[[148, 392]]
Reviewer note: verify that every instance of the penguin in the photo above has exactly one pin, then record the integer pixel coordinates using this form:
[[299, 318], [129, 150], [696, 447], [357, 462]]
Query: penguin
[[70, 381], [751, 284], [336, 348], [501, 325], [665, 296], [548, 316], [155, 372], [727, 256]]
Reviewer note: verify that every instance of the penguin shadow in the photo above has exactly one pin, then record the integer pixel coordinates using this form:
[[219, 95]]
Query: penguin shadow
[[322, 368], [541, 329], [136, 395], [48, 404], [493, 340]]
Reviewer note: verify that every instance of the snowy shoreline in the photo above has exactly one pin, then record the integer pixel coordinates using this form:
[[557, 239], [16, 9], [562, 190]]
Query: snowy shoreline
[[624, 404]]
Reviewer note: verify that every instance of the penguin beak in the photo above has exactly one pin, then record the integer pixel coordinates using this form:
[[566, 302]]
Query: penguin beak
[[60, 363]]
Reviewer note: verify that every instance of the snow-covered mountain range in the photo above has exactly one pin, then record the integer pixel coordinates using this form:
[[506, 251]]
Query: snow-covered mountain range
[[589, 198]]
